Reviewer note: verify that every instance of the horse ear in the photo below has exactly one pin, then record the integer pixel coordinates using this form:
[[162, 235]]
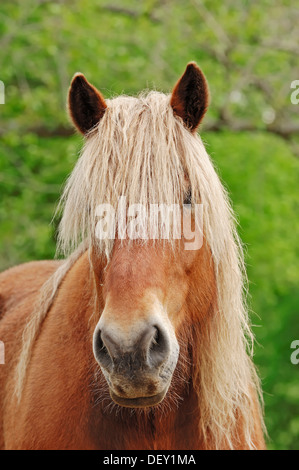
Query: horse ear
[[86, 104], [190, 96]]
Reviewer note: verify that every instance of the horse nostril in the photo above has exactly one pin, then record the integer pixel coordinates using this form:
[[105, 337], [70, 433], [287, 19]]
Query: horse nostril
[[101, 352], [150, 349], [159, 347]]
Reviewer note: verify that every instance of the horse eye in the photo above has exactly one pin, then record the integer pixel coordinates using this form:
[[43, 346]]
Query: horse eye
[[188, 197]]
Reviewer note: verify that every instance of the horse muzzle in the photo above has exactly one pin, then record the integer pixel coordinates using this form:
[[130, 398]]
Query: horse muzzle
[[137, 363]]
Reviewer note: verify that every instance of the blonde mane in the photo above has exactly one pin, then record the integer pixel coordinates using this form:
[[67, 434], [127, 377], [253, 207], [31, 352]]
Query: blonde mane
[[141, 150]]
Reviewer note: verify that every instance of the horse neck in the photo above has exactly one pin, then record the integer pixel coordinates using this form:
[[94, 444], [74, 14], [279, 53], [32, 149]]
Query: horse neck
[[169, 426]]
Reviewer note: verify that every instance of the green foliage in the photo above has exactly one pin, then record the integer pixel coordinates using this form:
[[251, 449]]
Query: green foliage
[[262, 176], [125, 47], [32, 173]]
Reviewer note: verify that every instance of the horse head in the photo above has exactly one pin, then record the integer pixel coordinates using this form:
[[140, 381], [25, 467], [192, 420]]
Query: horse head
[[145, 286]]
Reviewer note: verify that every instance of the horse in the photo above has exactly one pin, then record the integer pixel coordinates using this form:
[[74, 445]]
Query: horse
[[133, 342]]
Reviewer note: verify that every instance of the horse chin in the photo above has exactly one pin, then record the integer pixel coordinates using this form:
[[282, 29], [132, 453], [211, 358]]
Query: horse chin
[[139, 402]]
